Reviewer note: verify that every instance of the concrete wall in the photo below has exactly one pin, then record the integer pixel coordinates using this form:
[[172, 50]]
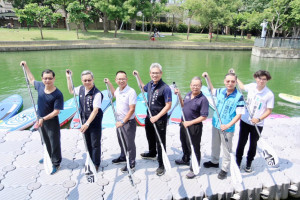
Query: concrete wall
[[276, 52]]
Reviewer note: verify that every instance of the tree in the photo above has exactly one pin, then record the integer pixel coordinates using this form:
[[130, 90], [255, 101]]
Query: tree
[[77, 15], [175, 9], [41, 15], [193, 8], [294, 17]]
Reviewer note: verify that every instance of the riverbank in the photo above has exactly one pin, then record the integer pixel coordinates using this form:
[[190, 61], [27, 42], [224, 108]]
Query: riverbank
[[23, 178]]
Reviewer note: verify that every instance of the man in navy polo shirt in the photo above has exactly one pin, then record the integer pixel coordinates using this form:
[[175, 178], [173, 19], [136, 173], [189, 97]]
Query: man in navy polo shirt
[[195, 110], [159, 102], [50, 102]]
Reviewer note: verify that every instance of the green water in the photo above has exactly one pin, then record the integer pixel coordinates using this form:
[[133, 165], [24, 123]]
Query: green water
[[178, 65]]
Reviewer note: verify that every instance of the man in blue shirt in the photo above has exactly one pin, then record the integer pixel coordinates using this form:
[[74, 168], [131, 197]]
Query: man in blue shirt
[[230, 105], [159, 102], [50, 102]]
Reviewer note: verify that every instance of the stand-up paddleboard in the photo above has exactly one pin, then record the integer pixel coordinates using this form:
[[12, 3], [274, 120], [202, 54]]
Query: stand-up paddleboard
[[10, 106], [206, 93], [64, 115], [290, 98], [108, 120], [21, 121], [75, 123]]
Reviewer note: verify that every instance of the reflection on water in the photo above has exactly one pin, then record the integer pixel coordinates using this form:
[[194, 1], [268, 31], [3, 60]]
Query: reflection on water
[[178, 65]]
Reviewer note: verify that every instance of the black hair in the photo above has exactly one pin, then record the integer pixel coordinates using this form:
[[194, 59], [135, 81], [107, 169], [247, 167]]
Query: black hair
[[122, 72], [231, 74], [260, 73], [48, 71]]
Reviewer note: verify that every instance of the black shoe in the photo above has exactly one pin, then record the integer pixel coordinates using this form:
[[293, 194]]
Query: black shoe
[[148, 156], [209, 164], [248, 169], [160, 171], [182, 162], [125, 169], [97, 167], [41, 161], [222, 175], [118, 161], [55, 169]]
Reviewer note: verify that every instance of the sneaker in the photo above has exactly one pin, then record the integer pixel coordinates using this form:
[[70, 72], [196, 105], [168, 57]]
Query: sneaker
[[41, 161], [190, 175], [222, 175], [248, 169], [210, 164], [148, 156], [118, 161], [125, 169], [182, 162], [160, 171], [55, 169], [97, 167]]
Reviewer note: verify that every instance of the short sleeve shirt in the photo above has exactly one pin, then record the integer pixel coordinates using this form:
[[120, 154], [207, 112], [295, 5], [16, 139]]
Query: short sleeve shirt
[[258, 102], [196, 107], [124, 99], [167, 91], [97, 100], [47, 103]]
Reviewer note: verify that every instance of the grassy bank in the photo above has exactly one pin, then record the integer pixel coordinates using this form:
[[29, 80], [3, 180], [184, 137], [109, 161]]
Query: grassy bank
[[61, 34]]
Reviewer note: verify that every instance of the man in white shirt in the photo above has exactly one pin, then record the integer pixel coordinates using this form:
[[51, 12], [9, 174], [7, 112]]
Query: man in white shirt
[[260, 100], [125, 108]]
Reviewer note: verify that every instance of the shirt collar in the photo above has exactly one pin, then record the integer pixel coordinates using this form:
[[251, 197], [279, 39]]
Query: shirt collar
[[198, 96], [125, 89], [233, 94]]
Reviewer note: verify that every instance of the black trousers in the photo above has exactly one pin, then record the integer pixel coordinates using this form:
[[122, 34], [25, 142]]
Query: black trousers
[[153, 142], [195, 134], [245, 130], [93, 141], [51, 135]]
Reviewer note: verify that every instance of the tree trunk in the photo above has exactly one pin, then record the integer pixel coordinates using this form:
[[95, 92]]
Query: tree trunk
[[66, 19], [133, 24], [105, 23], [217, 32], [188, 31], [173, 25], [41, 31], [77, 27], [83, 28], [116, 28], [210, 31], [151, 24]]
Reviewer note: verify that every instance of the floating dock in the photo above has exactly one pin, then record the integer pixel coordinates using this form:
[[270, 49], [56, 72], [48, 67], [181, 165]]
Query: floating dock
[[22, 177]]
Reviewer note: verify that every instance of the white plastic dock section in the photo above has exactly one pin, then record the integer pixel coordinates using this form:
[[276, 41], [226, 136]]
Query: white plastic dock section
[[22, 177]]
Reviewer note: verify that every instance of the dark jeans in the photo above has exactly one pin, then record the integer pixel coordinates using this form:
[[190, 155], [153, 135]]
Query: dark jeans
[[153, 142], [195, 134], [128, 131], [93, 139], [245, 129], [51, 134]]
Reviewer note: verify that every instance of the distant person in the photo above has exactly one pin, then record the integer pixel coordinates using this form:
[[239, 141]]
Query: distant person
[[91, 114], [50, 102], [125, 108], [195, 109], [230, 105], [260, 100], [159, 102]]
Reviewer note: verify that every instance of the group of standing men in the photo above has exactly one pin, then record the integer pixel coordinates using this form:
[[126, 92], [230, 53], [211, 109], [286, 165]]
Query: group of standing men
[[195, 107]]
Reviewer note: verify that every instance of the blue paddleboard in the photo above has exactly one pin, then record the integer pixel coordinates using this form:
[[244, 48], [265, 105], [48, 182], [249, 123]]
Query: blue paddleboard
[[75, 123], [108, 120], [10, 106]]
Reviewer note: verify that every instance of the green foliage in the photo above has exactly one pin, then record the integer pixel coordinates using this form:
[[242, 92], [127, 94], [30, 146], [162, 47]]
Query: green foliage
[[77, 13]]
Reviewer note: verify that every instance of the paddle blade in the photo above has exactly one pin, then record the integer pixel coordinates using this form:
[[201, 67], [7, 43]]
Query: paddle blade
[[166, 160], [47, 161], [235, 171], [195, 164], [90, 170], [269, 154]]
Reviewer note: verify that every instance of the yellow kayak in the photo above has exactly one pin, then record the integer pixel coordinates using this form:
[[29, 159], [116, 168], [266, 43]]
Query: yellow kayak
[[290, 98]]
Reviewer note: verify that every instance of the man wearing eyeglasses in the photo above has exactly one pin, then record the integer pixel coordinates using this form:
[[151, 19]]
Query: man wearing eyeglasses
[[159, 102], [260, 100], [125, 107], [91, 114], [230, 105], [50, 102]]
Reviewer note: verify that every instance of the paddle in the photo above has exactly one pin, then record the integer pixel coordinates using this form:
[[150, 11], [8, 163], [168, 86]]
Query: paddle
[[234, 169], [195, 164], [121, 137], [47, 159], [164, 154], [269, 153], [89, 168]]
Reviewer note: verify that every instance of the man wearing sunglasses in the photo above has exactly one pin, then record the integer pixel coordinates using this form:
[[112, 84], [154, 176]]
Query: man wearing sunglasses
[[91, 114], [50, 102], [230, 105]]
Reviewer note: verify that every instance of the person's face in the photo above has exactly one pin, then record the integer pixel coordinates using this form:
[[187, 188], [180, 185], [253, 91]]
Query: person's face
[[87, 81], [48, 79], [195, 86], [261, 81], [121, 80], [230, 82], [155, 74]]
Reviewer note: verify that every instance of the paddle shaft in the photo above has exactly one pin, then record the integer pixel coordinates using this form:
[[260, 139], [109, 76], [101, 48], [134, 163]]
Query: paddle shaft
[[120, 134]]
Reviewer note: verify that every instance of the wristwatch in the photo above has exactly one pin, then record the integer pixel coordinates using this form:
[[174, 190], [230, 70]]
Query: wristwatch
[[87, 124], [259, 120], [122, 121]]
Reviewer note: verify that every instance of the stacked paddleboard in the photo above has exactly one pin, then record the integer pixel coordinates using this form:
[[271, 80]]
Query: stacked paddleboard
[[10, 106], [290, 98]]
